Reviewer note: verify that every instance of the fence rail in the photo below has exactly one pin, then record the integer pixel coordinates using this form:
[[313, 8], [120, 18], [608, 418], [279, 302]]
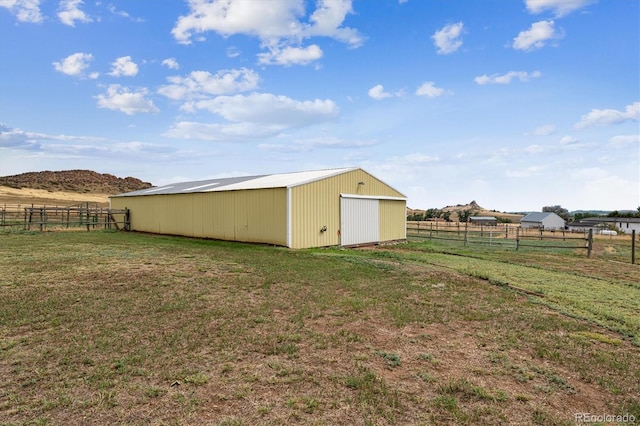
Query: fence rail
[[55, 217], [504, 235]]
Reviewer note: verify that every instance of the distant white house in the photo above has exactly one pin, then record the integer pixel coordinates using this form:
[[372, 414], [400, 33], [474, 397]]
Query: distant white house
[[547, 220], [624, 224]]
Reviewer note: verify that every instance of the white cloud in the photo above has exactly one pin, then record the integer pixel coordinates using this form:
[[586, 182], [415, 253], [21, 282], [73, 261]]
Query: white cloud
[[624, 140], [534, 149], [124, 66], [18, 139], [311, 144], [171, 63], [377, 92], [327, 20], [228, 132], [201, 84], [525, 172], [251, 117], [536, 36], [274, 23], [123, 14], [429, 90], [448, 39], [268, 109], [598, 185], [545, 130], [405, 167], [24, 10], [70, 12], [606, 117], [266, 20], [290, 55], [75, 65], [121, 99], [506, 78], [559, 7], [233, 52], [568, 140]]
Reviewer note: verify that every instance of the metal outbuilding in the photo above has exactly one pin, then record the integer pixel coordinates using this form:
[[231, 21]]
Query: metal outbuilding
[[483, 220], [317, 208], [542, 220]]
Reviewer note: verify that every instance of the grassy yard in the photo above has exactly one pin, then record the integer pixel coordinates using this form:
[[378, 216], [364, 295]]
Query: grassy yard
[[109, 327]]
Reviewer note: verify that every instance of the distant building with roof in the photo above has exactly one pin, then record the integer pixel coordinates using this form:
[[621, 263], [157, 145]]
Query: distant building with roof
[[624, 224], [542, 220], [483, 220]]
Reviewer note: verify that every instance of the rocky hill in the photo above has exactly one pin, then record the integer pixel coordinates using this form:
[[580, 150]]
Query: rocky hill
[[78, 181], [475, 210]]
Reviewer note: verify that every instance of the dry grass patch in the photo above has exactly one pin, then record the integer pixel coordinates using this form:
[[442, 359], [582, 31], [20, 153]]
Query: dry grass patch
[[108, 327]]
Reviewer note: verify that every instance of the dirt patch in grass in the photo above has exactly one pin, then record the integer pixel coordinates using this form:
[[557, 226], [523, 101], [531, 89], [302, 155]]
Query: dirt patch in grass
[[102, 328]]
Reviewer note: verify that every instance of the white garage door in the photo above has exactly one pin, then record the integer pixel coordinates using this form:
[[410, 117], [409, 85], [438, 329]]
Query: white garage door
[[359, 221]]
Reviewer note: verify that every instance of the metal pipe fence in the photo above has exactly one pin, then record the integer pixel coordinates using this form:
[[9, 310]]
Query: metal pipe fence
[[42, 218]]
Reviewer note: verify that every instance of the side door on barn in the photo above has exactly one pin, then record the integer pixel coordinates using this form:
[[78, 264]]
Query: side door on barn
[[359, 220]]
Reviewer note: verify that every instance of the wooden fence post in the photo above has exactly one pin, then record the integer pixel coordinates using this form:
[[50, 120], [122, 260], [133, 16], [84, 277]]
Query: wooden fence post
[[466, 233], [633, 247], [517, 238], [589, 242]]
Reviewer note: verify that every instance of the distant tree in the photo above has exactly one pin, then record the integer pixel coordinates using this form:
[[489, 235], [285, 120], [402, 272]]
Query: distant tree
[[579, 216], [617, 213], [638, 213], [504, 220], [446, 216], [464, 215], [559, 210]]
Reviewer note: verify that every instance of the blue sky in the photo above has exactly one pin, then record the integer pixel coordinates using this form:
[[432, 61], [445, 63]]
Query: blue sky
[[517, 104]]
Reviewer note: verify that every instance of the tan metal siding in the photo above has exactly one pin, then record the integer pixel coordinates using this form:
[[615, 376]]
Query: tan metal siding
[[314, 206], [267, 215], [317, 204], [146, 217], [248, 215], [393, 215]]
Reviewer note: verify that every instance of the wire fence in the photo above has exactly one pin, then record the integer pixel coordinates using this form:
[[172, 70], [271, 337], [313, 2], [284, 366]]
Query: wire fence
[[500, 235]]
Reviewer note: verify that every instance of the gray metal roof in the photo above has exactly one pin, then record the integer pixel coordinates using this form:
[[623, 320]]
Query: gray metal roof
[[536, 217], [482, 218], [279, 180], [611, 219]]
